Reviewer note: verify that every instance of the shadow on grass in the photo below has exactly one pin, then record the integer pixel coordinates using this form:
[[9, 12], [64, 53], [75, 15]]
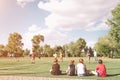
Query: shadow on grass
[[22, 73], [112, 68], [35, 73], [110, 75], [64, 73]]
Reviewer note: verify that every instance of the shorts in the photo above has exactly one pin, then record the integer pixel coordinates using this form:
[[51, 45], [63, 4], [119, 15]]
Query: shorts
[[98, 74], [81, 74]]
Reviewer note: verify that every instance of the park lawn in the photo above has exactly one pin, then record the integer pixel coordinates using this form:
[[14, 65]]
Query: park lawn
[[23, 67]]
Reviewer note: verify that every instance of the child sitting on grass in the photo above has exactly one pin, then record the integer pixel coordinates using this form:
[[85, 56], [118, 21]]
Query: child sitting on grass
[[100, 70]]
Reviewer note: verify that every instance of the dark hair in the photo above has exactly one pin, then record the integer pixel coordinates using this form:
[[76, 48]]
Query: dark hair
[[100, 61], [55, 60]]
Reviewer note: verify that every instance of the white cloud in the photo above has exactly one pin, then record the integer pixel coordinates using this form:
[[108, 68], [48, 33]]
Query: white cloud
[[52, 37], [98, 26], [4, 38], [22, 3], [91, 43], [76, 14], [34, 28]]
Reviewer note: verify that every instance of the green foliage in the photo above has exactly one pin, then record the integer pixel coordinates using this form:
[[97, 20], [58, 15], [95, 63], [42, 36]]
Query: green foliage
[[72, 49], [80, 44], [48, 51], [26, 52], [76, 48], [103, 46], [2, 51], [15, 44], [58, 49], [36, 43], [114, 32], [66, 50], [110, 45]]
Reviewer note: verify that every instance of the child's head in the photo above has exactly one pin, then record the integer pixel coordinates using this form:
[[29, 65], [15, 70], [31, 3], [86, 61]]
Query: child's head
[[72, 62], [55, 60], [81, 60], [100, 61]]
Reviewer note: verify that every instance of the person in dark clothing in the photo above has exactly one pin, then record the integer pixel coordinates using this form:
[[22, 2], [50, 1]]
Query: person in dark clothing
[[71, 71], [55, 68], [89, 53]]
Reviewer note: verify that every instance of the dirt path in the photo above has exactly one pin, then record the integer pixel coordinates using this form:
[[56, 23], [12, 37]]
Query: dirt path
[[34, 78]]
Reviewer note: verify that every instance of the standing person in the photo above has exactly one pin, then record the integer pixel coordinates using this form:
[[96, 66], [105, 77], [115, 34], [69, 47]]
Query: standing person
[[95, 55], [89, 53], [39, 55], [86, 50], [55, 68], [81, 68], [100, 70], [33, 57], [71, 71]]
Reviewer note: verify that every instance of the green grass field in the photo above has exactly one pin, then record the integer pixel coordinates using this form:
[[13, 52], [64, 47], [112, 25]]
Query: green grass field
[[9, 66]]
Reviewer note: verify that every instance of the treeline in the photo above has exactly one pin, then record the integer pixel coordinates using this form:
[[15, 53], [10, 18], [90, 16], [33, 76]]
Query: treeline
[[14, 47]]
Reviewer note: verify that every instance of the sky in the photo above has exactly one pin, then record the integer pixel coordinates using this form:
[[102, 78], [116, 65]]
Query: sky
[[59, 21]]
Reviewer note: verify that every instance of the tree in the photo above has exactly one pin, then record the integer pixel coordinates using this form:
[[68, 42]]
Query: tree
[[26, 52], [72, 49], [58, 49], [15, 44], [48, 50], [36, 43], [114, 32], [2, 50], [65, 50], [103, 46], [80, 44]]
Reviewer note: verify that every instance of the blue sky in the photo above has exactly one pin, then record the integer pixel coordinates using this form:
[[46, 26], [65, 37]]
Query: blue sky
[[60, 21]]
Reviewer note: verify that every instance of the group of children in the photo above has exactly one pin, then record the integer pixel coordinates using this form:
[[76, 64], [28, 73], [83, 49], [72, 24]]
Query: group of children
[[80, 69]]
